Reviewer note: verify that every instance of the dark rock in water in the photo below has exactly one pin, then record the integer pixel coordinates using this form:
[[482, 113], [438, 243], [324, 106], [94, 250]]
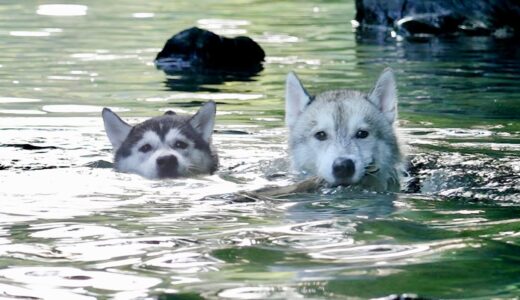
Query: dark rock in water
[[102, 164], [441, 17], [433, 24], [403, 297], [199, 49], [28, 146], [180, 296]]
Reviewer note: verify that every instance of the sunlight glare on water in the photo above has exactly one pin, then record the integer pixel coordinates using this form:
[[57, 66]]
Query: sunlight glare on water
[[62, 10]]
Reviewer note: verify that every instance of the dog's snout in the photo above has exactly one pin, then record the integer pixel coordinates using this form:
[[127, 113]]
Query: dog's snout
[[167, 166], [343, 168], [167, 162]]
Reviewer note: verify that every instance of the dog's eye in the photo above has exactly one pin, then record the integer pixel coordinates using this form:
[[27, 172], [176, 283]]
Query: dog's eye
[[180, 145], [145, 148], [320, 135], [361, 134]]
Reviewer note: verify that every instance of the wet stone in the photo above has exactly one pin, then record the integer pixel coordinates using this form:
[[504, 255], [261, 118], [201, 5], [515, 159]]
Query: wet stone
[[416, 17], [78, 277], [101, 164], [29, 146], [200, 49]]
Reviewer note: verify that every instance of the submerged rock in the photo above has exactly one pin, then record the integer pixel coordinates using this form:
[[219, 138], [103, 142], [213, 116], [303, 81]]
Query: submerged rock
[[199, 49], [440, 17], [28, 146]]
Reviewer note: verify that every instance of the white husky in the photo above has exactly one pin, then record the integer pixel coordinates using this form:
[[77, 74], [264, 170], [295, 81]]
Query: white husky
[[346, 137]]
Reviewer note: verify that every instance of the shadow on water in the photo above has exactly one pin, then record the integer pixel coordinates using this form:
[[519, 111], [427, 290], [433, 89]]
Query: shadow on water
[[187, 81], [197, 79]]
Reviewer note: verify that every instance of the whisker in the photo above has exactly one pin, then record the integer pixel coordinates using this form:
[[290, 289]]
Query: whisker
[[192, 168], [372, 168]]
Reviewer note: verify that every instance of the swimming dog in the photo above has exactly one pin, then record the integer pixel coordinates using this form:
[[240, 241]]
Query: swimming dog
[[346, 137], [167, 146]]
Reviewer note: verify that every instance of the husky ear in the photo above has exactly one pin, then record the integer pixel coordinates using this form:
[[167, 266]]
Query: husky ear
[[296, 99], [384, 94], [204, 120], [117, 130]]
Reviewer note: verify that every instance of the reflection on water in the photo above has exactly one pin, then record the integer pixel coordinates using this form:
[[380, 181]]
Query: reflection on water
[[62, 10], [178, 80], [71, 228]]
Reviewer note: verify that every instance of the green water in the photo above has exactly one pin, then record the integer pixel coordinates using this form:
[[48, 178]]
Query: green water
[[71, 228]]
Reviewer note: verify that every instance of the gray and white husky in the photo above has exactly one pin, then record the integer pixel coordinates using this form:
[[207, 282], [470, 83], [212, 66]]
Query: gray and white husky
[[346, 137], [167, 146]]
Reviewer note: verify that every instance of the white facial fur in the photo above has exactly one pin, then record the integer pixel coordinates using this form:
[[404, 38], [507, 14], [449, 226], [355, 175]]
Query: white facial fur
[[317, 157], [145, 163], [340, 115]]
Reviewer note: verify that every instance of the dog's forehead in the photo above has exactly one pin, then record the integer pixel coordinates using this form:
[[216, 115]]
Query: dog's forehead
[[340, 96], [340, 109], [161, 125], [176, 133], [150, 136]]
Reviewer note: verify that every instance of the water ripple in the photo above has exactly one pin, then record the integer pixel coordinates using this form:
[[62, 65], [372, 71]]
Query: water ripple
[[77, 108], [370, 252], [22, 112], [114, 248], [18, 100], [260, 292], [206, 96], [39, 292], [224, 26], [143, 15], [77, 278], [30, 33], [61, 231], [185, 262]]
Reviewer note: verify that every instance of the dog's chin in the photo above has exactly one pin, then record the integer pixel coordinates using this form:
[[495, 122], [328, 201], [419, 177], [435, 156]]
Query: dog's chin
[[340, 182], [169, 174], [343, 182]]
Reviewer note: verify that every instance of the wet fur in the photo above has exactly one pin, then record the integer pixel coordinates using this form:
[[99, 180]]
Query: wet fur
[[340, 113], [161, 133]]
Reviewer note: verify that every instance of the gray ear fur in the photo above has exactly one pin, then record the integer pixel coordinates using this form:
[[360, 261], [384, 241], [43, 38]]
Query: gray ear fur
[[296, 99], [117, 130], [384, 95], [204, 120]]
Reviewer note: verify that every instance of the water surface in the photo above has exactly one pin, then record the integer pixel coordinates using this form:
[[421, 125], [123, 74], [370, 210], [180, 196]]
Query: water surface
[[71, 228]]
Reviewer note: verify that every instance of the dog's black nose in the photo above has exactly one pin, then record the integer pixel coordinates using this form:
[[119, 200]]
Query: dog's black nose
[[167, 166], [343, 168], [167, 161]]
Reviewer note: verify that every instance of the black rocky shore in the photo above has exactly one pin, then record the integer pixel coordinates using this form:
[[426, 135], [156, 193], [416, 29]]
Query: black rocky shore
[[498, 18]]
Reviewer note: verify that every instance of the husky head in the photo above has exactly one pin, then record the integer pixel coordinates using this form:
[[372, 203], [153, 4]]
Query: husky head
[[168, 146], [345, 137]]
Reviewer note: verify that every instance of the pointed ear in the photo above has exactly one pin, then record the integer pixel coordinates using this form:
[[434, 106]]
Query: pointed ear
[[117, 130], [204, 120], [296, 99], [384, 94]]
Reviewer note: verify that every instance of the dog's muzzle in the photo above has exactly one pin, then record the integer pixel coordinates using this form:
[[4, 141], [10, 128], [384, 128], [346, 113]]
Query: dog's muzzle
[[167, 166], [343, 168]]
